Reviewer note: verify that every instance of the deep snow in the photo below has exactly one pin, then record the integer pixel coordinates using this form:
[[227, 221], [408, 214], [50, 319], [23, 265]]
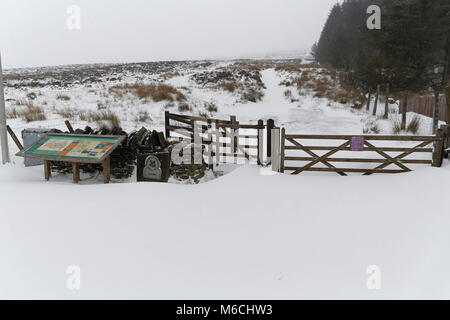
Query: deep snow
[[246, 235]]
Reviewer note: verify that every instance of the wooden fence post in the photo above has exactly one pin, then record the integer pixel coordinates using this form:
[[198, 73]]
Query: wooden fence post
[[260, 142], [167, 124], [283, 137], [436, 112], [14, 137], [275, 144], [438, 152], [269, 127], [69, 126], [234, 123]]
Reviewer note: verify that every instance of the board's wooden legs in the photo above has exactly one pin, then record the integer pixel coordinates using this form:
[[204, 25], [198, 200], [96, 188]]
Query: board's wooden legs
[[76, 172], [47, 169], [106, 170]]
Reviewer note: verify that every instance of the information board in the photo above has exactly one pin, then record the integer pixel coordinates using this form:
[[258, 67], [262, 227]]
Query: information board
[[65, 147]]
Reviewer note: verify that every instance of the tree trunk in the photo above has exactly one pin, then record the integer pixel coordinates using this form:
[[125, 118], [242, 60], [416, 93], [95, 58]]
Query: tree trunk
[[386, 106], [436, 112], [404, 107], [376, 101], [368, 101]]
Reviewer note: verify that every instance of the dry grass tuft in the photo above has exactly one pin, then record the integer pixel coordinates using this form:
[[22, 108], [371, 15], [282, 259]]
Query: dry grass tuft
[[182, 107], [228, 86], [12, 113], [414, 125], [396, 124], [211, 107], [92, 116], [170, 75], [143, 116], [33, 113], [62, 97], [67, 113], [158, 92], [252, 95]]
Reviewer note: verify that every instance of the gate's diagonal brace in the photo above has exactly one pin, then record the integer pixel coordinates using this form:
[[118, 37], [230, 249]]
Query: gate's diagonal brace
[[389, 159], [401, 156], [312, 154], [320, 159]]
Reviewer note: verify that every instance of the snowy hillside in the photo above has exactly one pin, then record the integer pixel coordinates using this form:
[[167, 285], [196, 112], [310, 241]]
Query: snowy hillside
[[299, 96]]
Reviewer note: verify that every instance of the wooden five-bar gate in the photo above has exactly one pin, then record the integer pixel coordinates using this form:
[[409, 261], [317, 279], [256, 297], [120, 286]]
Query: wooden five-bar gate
[[226, 141], [361, 150]]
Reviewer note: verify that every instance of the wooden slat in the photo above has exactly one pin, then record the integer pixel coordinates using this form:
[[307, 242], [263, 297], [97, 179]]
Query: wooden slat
[[389, 159], [315, 156], [350, 170], [403, 155], [387, 149], [321, 158], [363, 160], [366, 137]]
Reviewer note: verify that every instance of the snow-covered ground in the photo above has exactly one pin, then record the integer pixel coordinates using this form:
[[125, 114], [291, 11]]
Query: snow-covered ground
[[247, 235], [243, 236]]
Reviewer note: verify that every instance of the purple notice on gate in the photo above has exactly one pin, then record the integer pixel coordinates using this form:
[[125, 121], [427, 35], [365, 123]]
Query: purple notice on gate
[[357, 144]]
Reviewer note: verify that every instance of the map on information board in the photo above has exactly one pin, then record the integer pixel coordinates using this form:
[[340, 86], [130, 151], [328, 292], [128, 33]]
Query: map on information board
[[72, 146]]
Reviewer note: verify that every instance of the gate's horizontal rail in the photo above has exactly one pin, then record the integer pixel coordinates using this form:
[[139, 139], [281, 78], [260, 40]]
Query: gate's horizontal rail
[[350, 170], [366, 137], [357, 160], [325, 148]]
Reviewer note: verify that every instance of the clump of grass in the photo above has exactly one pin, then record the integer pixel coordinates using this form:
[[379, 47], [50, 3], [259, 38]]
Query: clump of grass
[[101, 105], [100, 116], [211, 107], [143, 116], [252, 95], [158, 92], [169, 75], [33, 113], [67, 113], [182, 107], [288, 93], [414, 125], [62, 97], [396, 124], [169, 105], [12, 113], [228, 86]]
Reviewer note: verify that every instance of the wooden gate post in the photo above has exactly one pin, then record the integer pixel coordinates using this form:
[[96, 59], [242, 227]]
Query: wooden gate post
[[275, 146], [283, 138], [438, 152], [269, 127], [447, 96], [47, 169], [167, 124], [260, 142]]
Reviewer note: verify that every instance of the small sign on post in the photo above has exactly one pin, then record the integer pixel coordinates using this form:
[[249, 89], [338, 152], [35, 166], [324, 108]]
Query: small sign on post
[[357, 143]]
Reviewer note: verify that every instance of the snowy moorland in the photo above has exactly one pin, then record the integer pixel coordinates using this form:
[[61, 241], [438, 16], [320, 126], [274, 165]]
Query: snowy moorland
[[249, 234]]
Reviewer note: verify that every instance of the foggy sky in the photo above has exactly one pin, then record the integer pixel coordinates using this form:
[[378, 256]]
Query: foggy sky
[[35, 33]]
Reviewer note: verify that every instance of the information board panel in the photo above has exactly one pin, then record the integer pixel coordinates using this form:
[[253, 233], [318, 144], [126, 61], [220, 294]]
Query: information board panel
[[69, 147]]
